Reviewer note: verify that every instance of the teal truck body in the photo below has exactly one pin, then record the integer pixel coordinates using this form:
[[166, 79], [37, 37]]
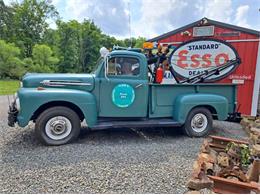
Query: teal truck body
[[107, 98]]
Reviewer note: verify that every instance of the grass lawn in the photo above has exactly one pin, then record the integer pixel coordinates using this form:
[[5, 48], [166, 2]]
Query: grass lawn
[[9, 87]]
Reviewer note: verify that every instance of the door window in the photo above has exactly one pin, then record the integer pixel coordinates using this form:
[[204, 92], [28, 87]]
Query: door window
[[123, 66]]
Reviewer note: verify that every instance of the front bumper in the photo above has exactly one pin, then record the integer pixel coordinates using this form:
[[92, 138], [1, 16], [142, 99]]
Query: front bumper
[[12, 114]]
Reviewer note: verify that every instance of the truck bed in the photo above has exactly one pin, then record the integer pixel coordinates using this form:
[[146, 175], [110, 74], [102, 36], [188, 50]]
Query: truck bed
[[163, 96]]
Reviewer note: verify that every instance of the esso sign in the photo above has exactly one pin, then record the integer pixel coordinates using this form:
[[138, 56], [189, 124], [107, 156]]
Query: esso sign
[[194, 57]]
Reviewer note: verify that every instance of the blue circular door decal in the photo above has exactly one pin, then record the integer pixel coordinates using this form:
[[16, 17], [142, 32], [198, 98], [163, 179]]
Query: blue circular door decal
[[123, 95]]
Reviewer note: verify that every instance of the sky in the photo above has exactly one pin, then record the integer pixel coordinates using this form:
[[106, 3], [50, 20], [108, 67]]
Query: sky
[[150, 18]]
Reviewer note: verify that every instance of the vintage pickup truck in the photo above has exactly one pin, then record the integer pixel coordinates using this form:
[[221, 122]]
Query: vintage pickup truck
[[118, 94]]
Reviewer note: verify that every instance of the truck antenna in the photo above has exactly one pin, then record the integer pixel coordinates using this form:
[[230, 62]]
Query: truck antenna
[[129, 21]]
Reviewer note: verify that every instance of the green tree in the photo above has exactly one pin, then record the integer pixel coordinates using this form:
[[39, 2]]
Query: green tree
[[129, 42], [72, 47], [139, 42], [69, 46], [43, 59], [11, 66], [109, 42], [51, 38], [91, 43], [79, 45], [6, 22], [30, 22]]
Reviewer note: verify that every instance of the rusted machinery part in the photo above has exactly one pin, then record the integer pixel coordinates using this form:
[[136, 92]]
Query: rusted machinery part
[[254, 171], [223, 159], [255, 151], [205, 148], [234, 154], [225, 140], [233, 172], [220, 143], [227, 179], [255, 139], [229, 186]]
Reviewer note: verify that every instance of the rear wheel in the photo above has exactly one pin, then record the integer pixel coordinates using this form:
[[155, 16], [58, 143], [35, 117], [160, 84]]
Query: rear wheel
[[198, 123], [57, 125]]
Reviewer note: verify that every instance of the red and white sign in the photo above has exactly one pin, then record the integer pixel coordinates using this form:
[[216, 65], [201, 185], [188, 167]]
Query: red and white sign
[[196, 56]]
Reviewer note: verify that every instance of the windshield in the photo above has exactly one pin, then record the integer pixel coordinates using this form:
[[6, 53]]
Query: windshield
[[100, 60]]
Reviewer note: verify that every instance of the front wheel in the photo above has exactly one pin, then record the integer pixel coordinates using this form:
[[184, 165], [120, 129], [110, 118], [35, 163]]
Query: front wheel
[[57, 125], [198, 123]]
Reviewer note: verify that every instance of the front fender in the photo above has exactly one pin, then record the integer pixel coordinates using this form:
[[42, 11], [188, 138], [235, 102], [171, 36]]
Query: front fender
[[31, 99], [184, 103]]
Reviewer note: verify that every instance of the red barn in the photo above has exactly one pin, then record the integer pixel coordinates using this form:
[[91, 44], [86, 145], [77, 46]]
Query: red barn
[[206, 41]]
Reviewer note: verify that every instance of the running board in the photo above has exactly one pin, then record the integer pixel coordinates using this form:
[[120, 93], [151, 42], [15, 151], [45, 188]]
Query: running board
[[136, 124]]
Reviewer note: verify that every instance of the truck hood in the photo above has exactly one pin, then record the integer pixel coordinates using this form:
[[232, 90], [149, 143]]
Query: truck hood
[[72, 81]]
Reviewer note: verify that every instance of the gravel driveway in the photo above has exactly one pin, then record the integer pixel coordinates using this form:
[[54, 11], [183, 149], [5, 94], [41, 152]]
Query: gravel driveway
[[111, 161]]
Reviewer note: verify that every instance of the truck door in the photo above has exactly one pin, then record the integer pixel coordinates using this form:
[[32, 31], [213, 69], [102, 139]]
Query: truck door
[[124, 88]]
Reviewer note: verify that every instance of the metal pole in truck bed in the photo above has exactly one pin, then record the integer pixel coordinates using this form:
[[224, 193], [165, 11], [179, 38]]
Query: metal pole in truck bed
[[214, 71]]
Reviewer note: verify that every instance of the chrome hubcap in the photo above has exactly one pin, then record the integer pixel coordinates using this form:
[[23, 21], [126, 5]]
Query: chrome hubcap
[[58, 127], [199, 122]]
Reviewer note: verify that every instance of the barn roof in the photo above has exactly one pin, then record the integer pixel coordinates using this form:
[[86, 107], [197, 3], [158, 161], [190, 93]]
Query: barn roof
[[216, 23]]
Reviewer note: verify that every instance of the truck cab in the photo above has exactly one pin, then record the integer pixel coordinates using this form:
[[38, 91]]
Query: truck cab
[[123, 87], [118, 94]]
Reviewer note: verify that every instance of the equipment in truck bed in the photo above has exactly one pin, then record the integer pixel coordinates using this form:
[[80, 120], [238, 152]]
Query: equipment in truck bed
[[199, 78]]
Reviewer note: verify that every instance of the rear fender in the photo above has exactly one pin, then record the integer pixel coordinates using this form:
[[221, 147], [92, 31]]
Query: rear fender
[[31, 99], [185, 103]]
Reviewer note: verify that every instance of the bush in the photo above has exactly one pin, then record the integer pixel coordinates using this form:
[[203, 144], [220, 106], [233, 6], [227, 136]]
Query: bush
[[10, 64]]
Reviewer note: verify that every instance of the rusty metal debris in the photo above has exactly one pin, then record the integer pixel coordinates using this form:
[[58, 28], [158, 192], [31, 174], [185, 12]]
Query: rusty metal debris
[[229, 186], [220, 143], [254, 171], [226, 166], [232, 172], [223, 159]]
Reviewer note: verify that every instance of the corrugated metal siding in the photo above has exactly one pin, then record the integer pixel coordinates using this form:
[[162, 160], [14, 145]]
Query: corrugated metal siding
[[248, 54]]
